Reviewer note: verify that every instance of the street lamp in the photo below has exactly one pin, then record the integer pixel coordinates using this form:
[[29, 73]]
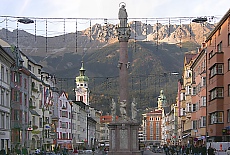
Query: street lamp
[[200, 20], [25, 130], [25, 21]]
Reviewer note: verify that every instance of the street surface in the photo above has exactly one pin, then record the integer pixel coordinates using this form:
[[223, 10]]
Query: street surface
[[147, 152]]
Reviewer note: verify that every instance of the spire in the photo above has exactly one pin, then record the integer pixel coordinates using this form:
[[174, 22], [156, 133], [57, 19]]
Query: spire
[[82, 70], [82, 77]]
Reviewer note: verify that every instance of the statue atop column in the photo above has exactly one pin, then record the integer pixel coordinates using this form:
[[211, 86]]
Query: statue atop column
[[123, 110], [134, 109], [161, 100], [113, 110], [122, 16]]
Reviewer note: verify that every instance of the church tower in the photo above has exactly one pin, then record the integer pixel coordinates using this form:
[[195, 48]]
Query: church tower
[[82, 90]]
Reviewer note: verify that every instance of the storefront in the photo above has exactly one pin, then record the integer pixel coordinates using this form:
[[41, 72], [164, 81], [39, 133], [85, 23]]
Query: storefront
[[5, 140], [64, 144]]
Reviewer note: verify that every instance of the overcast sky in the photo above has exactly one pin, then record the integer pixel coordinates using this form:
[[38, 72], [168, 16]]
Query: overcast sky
[[104, 9]]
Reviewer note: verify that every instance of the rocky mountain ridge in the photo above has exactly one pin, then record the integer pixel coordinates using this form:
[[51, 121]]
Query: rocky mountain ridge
[[99, 36], [153, 57]]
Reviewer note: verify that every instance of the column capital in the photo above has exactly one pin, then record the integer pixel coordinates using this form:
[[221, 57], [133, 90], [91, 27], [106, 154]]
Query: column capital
[[123, 34]]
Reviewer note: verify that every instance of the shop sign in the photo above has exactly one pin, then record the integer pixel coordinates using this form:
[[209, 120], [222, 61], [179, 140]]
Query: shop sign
[[2, 133]]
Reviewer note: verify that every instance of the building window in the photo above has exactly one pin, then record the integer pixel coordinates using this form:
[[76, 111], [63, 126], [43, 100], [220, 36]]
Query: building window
[[228, 89], [228, 115], [193, 77], [219, 47], [194, 124], [216, 69], [182, 97], [29, 67], [203, 81], [64, 125], [157, 128], [203, 121], [194, 90], [216, 117], [203, 101], [7, 76], [2, 96], [216, 93], [7, 99], [189, 74], [7, 121], [210, 54], [40, 123], [3, 120], [229, 39], [81, 98], [194, 107], [182, 112], [64, 135], [2, 73], [203, 66], [189, 107], [64, 114], [228, 64], [188, 90]]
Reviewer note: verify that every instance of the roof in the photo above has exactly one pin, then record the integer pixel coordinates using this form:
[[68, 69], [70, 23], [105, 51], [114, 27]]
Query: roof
[[7, 54], [4, 44], [80, 103], [225, 17], [8, 51], [189, 57], [31, 59]]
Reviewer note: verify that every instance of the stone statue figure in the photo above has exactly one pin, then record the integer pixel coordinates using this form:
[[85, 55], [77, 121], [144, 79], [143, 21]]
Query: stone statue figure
[[161, 100], [122, 16], [134, 109], [123, 109], [113, 110]]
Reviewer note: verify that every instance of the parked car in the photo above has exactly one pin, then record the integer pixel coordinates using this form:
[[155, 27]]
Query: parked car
[[50, 153], [88, 151]]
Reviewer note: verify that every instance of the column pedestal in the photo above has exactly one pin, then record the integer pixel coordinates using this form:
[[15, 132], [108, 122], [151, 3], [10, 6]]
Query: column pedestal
[[124, 138]]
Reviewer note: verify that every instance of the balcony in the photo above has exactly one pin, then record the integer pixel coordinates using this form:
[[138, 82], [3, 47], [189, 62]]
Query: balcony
[[183, 117], [188, 115], [16, 124], [48, 141], [217, 57]]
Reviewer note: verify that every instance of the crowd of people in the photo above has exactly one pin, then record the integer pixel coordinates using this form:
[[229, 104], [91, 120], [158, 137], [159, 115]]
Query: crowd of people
[[185, 149]]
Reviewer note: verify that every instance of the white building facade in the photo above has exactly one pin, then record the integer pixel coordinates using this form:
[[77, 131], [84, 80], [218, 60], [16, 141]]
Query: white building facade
[[6, 62], [64, 131]]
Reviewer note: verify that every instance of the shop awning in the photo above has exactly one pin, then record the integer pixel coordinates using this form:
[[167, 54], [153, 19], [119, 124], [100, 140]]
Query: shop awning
[[186, 135], [33, 112]]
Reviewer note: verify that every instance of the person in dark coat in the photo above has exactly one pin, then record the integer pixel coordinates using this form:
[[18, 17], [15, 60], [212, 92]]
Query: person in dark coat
[[211, 151], [203, 150]]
